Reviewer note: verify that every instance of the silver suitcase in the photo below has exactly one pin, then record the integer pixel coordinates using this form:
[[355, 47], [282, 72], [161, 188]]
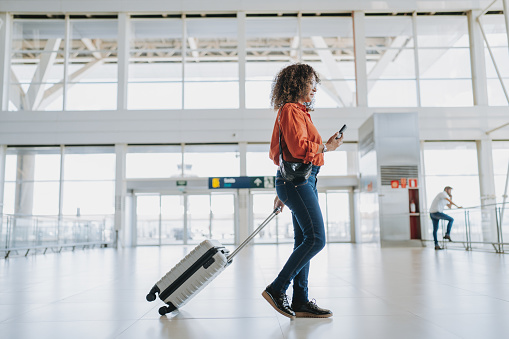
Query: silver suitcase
[[195, 271]]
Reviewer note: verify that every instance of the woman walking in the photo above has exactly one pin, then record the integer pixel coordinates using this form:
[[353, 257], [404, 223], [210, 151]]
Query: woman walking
[[293, 90]]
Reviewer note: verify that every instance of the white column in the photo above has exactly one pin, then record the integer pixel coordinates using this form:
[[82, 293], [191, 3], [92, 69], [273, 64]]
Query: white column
[[3, 155], [123, 60], [120, 192], [243, 196], [479, 82], [487, 189], [5, 51], [505, 3], [241, 50], [359, 33]]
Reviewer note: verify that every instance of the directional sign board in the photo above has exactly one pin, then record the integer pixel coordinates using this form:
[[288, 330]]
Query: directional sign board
[[241, 182]]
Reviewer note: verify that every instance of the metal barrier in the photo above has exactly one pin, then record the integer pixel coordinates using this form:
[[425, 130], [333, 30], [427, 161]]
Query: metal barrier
[[32, 233], [475, 228]]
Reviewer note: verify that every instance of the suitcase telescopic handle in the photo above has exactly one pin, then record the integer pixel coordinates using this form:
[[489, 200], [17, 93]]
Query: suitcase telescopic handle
[[256, 231]]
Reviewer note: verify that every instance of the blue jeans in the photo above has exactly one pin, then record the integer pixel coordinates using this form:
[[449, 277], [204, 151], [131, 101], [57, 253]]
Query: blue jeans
[[301, 198], [435, 218]]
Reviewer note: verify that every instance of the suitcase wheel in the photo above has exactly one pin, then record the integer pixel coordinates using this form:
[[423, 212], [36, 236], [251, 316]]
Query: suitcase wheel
[[163, 310], [151, 296]]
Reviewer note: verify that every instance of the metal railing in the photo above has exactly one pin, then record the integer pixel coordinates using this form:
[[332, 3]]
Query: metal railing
[[23, 233], [474, 228]]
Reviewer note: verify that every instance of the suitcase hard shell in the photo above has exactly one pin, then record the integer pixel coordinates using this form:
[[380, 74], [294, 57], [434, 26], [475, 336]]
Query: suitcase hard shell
[[190, 275], [195, 271]]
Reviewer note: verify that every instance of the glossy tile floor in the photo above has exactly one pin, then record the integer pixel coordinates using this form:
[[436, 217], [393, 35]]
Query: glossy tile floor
[[373, 292]]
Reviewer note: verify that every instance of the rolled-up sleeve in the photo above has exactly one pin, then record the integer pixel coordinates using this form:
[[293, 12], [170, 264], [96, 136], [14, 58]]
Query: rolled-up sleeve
[[295, 133]]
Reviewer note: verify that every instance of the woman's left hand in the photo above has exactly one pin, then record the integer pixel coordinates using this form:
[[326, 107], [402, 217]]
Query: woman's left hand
[[278, 203]]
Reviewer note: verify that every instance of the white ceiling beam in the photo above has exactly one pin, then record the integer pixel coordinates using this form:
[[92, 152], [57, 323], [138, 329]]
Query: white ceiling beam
[[89, 44], [16, 93], [343, 92], [193, 46], [294, 46], [47, 58]]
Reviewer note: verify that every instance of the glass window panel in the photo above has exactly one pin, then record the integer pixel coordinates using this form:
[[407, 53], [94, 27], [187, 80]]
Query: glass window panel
[[212, 160], [501, 55], [453, 158], [156, 34], [212, 28], [47, 167], [90, 197], [260, 71], [391, 64], [269, 30], [335, 164], [500, 167], [258, 94], [88, 67], [338, 30], [157, 95], [442, 31], [496, 95], [141, 69], [211, 95], [92, 96], [494, 26], [341, 67], [37, 67], [9, 197], [452, 164], [153, 161], [389, 32], [392, 93], [258, 162], [91, 34], [38, 34], [331, 94], [444, 63], [446, 93], [89, 167], [11, 164], [45, 198]]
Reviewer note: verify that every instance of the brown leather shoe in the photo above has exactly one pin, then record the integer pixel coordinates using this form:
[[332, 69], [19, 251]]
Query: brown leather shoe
[[310, 310], [279, 301]]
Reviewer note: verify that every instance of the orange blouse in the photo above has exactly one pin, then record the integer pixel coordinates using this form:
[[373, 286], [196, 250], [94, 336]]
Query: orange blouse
[[299, 137]]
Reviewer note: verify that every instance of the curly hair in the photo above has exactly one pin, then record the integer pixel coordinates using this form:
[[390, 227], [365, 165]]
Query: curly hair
[[290, 84]]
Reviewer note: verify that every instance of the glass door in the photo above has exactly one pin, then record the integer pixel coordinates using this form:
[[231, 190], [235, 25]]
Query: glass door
[[335, 206], [280, 229], [163, 219], [172, 219], [336, 215], [148, 215]]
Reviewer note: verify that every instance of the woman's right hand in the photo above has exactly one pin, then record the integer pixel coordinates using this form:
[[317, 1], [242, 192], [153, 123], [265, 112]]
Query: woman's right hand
[[334, 143]]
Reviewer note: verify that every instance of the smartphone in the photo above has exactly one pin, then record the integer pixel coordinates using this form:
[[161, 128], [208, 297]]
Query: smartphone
[[341, 131]]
